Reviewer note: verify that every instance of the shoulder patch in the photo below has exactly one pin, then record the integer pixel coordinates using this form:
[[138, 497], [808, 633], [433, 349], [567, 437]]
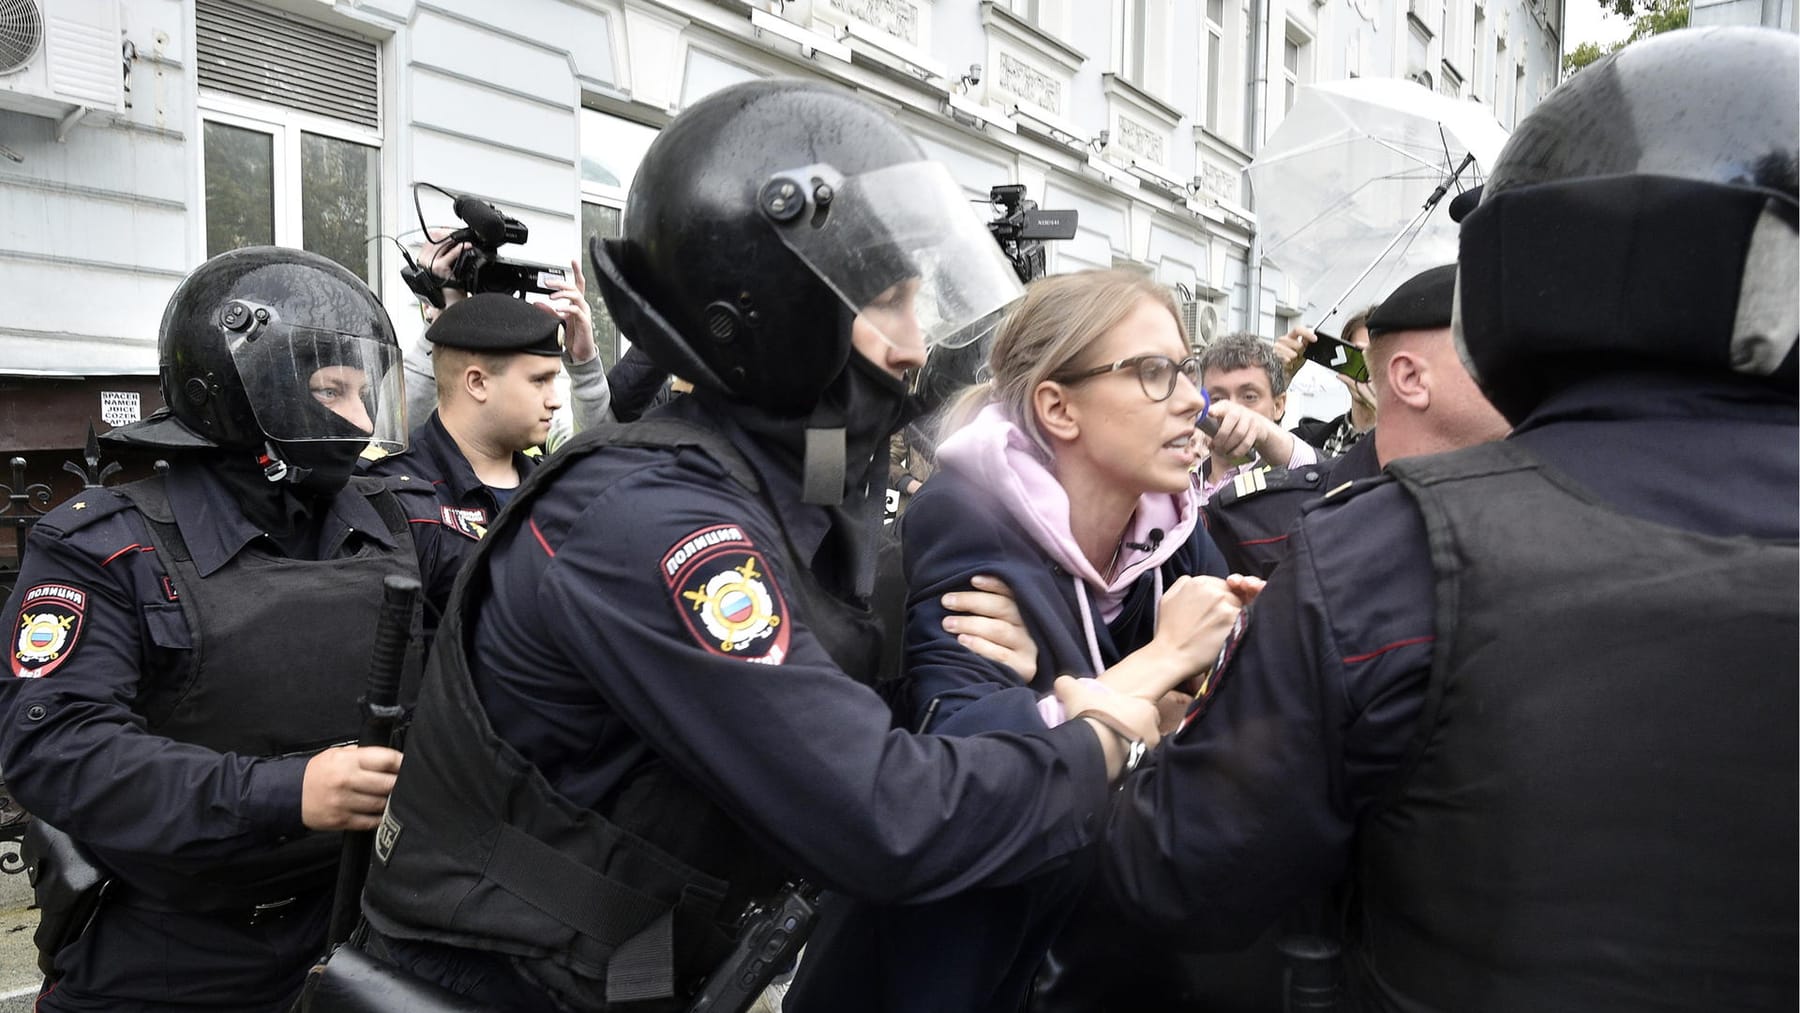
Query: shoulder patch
[[1255, 483], [49, 626], [1346, 491], [1210, 682], [723, 589], [471, 523]]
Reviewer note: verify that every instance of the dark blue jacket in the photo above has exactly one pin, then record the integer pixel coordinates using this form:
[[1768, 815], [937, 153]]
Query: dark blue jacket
[[978, 950], [1255, 804], [954, 530]]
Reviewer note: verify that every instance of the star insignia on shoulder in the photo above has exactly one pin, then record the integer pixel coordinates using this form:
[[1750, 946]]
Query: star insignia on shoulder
[[79, 506]]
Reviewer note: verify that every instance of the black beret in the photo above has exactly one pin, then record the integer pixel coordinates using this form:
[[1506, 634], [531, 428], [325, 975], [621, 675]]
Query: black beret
[[1463, 203], [1421, 303], [501, 324]]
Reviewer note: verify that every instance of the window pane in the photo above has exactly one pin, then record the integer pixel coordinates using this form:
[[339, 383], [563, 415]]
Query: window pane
[[339, 194], [1215, 78], [240, 188], [611, 149], [600, 220], [1215, 11]]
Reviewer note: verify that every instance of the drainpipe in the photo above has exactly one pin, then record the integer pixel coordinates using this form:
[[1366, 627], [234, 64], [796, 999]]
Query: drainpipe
[[1259, 101]]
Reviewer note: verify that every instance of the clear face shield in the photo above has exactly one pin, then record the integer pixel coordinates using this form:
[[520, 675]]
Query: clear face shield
[[900, 245], [305, 384]]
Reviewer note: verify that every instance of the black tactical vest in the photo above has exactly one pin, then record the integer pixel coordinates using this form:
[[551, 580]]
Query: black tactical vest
[[277, 659], [1599, 809], [477, 850]]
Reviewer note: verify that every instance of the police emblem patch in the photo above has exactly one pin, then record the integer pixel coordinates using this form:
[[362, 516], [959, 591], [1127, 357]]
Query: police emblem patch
[[387, 834], [49, 625], [1209, 683], [725, 594], [467, 523]]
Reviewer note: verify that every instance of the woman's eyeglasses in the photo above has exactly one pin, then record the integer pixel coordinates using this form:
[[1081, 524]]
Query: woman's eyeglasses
[[1155, 373]]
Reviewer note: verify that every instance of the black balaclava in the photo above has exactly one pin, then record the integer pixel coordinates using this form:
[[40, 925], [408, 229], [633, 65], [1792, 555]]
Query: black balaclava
[[859, 411], [284, 511]]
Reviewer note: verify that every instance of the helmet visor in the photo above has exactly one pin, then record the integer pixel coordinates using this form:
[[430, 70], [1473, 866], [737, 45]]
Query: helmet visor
[[900, 245], [307, 384]]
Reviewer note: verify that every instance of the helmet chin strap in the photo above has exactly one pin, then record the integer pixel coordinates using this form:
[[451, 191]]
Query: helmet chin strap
[[275, 468], [823, 471]]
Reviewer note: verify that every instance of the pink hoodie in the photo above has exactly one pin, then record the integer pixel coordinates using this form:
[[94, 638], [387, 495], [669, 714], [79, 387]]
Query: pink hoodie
[[1000, 456]]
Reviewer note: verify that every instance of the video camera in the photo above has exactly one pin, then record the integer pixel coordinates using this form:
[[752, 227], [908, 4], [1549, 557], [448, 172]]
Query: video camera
[[479, 266], [1023, 227]]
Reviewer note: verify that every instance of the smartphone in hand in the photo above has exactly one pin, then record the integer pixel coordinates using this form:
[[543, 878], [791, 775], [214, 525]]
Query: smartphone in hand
[[1339, 356]]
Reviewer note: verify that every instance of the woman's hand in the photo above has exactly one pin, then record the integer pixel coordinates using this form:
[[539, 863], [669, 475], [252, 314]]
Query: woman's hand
[[987, 621], [1195, 616]]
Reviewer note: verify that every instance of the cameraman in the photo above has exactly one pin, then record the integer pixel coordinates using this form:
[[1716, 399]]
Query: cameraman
[[590, 396]]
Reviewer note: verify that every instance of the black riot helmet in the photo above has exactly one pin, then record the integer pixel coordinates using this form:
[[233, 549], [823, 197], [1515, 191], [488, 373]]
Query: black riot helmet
[[764, 216], [281, 353], [1642, 217]]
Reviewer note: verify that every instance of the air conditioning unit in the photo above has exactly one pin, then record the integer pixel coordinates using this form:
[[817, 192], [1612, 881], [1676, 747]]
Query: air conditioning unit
[[1201, 320], [60, 55]]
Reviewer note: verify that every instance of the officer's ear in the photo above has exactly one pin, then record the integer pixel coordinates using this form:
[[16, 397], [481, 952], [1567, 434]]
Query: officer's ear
[[1057, 416], [477, 382], [1409, 378]]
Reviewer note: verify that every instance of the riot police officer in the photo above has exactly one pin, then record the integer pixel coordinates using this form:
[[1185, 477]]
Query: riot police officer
[[1537, 696], [188, 650], [642, 711]]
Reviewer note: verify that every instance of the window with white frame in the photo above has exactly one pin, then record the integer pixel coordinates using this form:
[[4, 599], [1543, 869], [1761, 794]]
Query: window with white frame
[[1479, 75], [1142, 31], [1500, 65], [1296, 64], [1215, 61], [1237, 284], [1418, 55], [290, 135], [1451, 35], [611, 149], [1518, 93], [1047, 15], [1250, 66]]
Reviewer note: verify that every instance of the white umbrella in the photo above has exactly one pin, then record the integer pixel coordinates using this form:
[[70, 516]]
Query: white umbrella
[[1349, 187]]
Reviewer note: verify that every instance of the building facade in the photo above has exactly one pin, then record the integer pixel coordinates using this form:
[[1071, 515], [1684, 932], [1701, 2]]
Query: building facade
[[138, 137]]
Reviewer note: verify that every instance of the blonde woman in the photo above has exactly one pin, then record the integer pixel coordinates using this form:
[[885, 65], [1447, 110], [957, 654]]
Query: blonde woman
[[1067, 476]]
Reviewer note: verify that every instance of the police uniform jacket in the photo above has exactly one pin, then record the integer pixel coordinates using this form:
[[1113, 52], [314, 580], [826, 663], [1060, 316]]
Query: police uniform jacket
[[1311, 738], [643, 613], [1250, 516], [465, 506], [173, 672]]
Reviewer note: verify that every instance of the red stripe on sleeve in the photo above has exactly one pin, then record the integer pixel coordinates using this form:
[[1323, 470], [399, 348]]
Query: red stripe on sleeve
[[1354, 658], [128, 548], [539, 535]]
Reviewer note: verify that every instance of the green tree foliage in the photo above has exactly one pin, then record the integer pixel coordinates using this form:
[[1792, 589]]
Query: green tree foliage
[[1648, 17]]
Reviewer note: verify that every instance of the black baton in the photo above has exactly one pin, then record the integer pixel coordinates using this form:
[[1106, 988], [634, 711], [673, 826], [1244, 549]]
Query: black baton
[[380, 709]]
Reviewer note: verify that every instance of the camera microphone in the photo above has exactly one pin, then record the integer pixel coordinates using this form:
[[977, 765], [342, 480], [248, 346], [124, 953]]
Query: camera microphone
[[1156, 537], [483, 219]]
